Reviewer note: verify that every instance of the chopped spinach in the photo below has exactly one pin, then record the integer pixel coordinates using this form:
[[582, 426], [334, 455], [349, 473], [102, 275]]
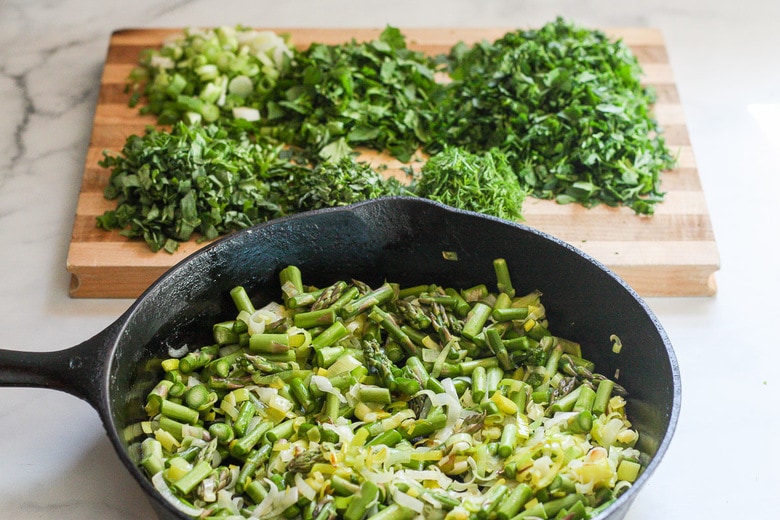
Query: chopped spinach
[[193, 179], [205, 181]]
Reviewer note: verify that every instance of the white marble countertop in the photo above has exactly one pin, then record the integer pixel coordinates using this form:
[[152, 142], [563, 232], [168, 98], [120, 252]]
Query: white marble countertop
[[55, 460]]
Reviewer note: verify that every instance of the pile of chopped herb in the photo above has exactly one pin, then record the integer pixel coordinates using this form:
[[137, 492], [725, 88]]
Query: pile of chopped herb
[[262, 129], [481, 182], [333, 183], [193, 179], [377, 94], [567, 107], [209, 180]]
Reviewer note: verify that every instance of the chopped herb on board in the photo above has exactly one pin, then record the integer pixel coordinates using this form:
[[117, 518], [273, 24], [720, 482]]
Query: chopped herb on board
[[567, 107], [333, 183], [481, 182], [205, 181], [326, 99], [193, 179], [377, 94], [262, 129]]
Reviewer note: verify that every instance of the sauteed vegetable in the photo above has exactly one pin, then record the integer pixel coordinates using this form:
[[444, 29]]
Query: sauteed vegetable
[[388, 403]]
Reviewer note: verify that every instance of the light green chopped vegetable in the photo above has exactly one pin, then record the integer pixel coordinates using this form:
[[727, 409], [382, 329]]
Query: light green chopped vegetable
[[481, 182], [617, 345], [205, 74]]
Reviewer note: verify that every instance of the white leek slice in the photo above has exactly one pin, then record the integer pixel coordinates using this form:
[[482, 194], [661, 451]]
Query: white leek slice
[[275, 502], [323, 384], [162, 487], [408, 501]]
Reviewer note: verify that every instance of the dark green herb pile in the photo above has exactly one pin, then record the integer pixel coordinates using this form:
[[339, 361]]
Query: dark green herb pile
[[262, 129], [567, 107], [333, 183], [208, 181], [377, 94], [200, 179]]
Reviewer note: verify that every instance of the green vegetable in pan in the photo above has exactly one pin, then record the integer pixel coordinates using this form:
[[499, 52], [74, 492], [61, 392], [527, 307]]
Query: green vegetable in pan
[[388, 403]]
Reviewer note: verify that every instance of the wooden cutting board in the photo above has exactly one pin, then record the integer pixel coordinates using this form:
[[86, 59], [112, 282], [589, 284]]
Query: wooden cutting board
[[672, 253]]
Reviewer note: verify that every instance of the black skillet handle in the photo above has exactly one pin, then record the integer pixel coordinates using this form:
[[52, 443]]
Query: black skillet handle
[[77, 370]]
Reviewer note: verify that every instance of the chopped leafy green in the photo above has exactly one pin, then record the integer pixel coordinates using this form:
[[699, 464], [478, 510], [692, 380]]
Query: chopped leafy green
[[193, 179], [262, 129], [567, 107], [377, 94], [334, 183], [206, 181], [326, 99], [481, 182]]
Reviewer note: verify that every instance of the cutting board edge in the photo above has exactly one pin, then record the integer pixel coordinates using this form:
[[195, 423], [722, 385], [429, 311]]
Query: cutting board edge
[[647, 281]]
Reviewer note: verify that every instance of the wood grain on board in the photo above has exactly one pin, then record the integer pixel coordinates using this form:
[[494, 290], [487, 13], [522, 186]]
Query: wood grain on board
[[672, 253]]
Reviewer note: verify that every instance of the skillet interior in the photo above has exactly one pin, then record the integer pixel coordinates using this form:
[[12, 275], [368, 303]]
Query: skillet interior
[[401, 240]]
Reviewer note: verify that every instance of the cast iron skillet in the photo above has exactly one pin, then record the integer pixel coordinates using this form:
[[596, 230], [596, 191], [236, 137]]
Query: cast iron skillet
[[399, 239]]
